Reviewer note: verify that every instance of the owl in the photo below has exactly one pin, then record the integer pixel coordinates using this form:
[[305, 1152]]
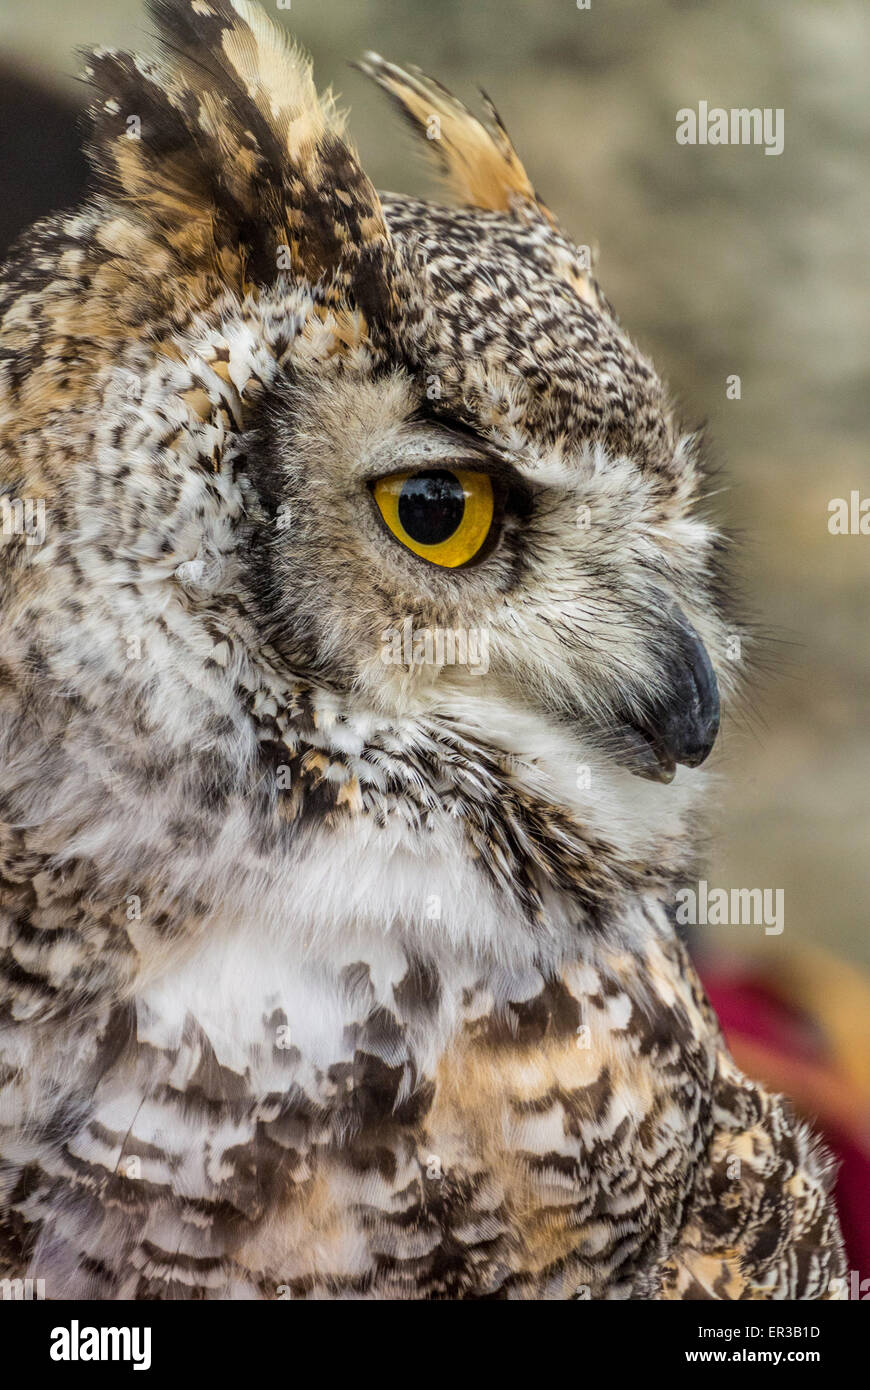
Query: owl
[[362, 637]]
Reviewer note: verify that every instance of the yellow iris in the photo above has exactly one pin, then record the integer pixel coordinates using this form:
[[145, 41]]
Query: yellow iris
[[443, 515]]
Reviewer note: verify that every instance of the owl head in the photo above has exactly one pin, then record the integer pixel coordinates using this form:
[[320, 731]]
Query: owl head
[[393, 501]]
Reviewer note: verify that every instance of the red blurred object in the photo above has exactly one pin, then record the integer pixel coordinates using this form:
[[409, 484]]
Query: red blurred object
[[775, 1038]]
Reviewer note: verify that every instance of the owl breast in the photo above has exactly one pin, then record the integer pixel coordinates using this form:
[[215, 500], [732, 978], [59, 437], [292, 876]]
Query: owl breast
[[267, 1125]]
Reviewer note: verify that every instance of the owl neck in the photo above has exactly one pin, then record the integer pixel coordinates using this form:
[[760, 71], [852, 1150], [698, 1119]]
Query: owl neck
[[362, 1030]]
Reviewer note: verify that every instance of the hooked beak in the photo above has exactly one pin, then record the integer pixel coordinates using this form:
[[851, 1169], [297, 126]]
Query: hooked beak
[[680, 720]]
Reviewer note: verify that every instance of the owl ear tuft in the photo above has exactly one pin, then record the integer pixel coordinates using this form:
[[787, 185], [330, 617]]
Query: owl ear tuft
[[476, 157], [225, 147]]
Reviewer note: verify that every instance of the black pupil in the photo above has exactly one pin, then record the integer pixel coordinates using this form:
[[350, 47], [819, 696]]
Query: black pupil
[[431, 506]]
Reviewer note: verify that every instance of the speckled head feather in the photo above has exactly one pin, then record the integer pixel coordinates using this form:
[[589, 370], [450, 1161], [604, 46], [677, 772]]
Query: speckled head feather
[[477, 161], [337, 954], [227, 150]]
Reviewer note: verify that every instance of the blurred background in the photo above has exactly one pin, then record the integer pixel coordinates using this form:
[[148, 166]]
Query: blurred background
[[721, 261]]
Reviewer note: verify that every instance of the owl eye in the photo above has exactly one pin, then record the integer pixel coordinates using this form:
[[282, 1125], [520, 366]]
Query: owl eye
[[443, 514]]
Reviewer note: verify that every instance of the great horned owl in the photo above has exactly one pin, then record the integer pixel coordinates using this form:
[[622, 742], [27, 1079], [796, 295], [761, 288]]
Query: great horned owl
[[352, 570]]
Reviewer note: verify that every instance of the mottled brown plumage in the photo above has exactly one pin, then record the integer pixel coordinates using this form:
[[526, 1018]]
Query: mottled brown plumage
[[322, 974]]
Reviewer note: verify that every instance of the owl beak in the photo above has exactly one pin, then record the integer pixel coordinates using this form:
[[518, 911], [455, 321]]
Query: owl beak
[[680, 720]]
